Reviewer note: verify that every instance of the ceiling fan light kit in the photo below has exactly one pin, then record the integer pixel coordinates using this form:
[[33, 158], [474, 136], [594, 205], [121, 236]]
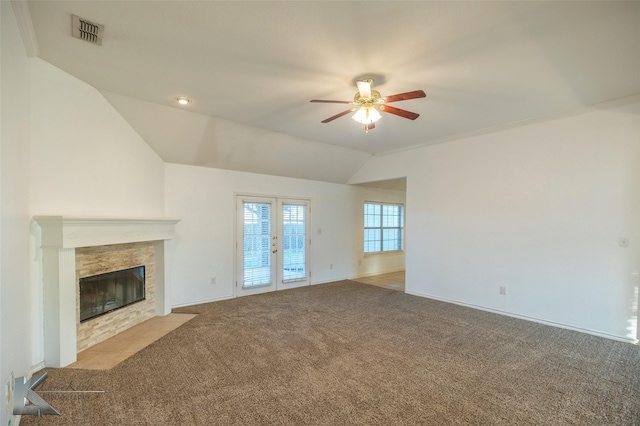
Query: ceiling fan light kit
[[369, 102], [366, 115]]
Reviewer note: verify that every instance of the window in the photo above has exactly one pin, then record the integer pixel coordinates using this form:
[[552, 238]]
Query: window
[[383, 227]]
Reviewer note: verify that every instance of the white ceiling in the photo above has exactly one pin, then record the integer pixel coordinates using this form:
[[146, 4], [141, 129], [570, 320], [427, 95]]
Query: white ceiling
[[252, 67]]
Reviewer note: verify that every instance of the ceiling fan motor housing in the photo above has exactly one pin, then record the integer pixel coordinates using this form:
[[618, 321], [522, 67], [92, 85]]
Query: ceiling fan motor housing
[[371, 102]]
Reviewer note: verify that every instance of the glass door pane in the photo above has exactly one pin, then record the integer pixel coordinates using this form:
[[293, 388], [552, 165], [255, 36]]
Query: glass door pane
[[257, 244], [294, 238], [272, 244]]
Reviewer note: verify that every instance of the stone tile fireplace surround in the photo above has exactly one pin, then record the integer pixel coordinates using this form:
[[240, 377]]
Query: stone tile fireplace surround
[[102, 259], [74, 247]]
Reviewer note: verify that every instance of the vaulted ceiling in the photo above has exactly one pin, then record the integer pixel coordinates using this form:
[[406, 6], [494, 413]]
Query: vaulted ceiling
[[250, 69]]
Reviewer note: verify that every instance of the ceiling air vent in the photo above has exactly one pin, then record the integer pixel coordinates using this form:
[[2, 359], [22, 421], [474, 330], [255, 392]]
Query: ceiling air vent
[[86, 30]]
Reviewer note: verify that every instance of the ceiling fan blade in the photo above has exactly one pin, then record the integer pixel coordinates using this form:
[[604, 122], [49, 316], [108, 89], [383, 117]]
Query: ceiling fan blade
[[406, 96], [400, 112], [330, 102], [364, 87], [338, 115]]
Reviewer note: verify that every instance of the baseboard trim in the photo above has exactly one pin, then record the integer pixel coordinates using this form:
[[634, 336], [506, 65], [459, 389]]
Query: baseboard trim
[[35, 368], [333, 280], [200, 302], [527, 318]]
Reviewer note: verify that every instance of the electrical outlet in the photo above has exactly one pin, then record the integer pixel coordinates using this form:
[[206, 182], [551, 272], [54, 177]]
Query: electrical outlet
[[213, 280], [331, 266], [503, 290]]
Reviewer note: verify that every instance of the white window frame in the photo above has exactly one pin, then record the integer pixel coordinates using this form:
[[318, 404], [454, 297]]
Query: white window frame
[[382, 227]]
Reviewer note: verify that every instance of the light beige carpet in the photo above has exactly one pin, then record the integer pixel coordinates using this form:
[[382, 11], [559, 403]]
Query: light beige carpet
[[349, 353]]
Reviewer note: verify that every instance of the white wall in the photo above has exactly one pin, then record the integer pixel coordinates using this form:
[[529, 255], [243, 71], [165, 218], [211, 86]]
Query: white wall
[[15, 308], [537, 209], [204, 200], [86, 159]]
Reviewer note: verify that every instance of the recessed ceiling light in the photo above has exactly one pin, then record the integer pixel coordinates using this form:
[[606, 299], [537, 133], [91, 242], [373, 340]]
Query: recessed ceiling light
[[183, 101]]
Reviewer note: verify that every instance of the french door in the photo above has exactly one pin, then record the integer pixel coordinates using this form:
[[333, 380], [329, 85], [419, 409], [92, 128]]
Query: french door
[[272, 241]]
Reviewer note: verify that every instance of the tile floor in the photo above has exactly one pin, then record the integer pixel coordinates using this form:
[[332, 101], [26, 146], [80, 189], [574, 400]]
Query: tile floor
[[392, 280], [109, 353]]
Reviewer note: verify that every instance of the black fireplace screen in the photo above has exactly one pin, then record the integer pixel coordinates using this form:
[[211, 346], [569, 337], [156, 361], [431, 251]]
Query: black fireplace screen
[[101, 294]]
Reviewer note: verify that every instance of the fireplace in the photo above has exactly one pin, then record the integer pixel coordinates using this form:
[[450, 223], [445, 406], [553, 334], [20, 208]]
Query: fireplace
[[98, 267], [73, 248], [105, 293]]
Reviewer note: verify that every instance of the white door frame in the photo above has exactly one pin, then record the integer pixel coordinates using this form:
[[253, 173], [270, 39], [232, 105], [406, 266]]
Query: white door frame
[[276, 242]]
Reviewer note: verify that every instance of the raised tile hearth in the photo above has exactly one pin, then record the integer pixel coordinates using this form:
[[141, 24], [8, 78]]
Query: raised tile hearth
[[63, 240], [109, 353]]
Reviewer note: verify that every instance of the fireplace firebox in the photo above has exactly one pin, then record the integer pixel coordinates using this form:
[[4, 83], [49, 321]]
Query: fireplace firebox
[[104, 293]]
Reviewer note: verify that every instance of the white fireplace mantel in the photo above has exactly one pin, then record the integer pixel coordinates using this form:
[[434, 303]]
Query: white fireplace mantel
[[60, 236], [73, 232]]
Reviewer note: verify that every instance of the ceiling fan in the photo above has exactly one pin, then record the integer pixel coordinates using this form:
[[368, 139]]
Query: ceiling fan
[[368, 102]]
